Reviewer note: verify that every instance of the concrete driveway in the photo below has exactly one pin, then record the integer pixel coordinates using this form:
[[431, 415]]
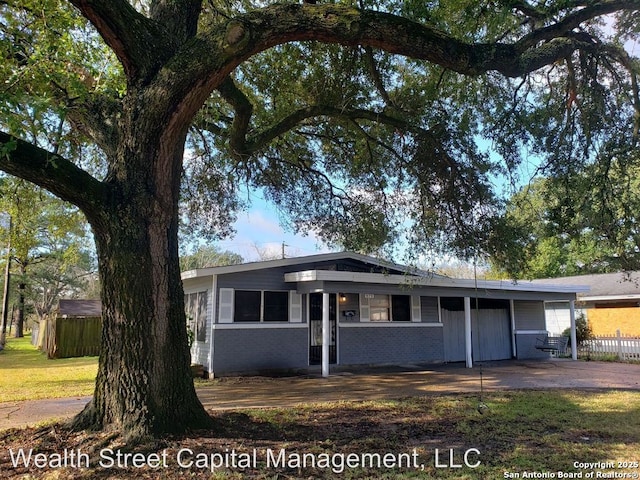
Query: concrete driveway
[[365, 384]]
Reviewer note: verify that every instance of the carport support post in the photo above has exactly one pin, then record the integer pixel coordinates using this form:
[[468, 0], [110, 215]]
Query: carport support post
[[574, 339], [467, 331], [326, 334]]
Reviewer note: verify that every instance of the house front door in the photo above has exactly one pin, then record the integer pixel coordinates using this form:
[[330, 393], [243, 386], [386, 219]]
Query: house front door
[[315, 328]]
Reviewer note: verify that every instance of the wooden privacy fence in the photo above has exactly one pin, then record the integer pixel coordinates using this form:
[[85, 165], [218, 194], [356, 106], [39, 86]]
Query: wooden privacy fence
[[74, 337], [625, 347]]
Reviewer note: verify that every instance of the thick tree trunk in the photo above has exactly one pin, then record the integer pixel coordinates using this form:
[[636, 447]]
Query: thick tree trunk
[[19, 331], [144, 385], [22, 288]]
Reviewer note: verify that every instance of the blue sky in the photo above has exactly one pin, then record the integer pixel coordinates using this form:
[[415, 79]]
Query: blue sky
[[259, 232]]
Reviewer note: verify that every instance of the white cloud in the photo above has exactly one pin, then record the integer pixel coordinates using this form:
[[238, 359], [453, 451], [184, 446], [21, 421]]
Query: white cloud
[[259, 236]]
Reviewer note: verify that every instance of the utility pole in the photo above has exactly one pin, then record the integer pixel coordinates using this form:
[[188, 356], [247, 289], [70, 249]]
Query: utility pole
[[283, 245], [5, 293]]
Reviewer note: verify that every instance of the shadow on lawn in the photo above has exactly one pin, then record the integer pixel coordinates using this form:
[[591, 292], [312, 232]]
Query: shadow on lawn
[[533, 431]]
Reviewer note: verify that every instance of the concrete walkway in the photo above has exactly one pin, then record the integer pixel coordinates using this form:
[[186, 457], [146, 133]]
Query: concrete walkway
[[365, 384]]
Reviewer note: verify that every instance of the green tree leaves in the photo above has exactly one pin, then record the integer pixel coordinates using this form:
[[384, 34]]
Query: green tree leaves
[[49, 245], [582, 223]]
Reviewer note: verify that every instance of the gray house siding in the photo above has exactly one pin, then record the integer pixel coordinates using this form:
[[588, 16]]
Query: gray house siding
[[389, 344], [273, 278], [429, 309], [261, 349], [490, 337], [234, 346], [530, 324]]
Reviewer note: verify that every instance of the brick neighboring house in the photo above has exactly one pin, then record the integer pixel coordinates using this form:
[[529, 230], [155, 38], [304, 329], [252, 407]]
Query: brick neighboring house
[[612, 303], [350, 309]]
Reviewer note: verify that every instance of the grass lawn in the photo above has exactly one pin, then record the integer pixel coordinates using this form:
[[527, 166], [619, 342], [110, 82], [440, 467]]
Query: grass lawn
[[27, 374], [522, 434]]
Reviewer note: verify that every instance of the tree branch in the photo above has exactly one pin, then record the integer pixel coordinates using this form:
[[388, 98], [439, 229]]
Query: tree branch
[[243, 112], [179, 18], [289, 122], [138, 42], [52, 172], [375, 75], [96, 117], [222, 47], [574, 19], [259, 30]]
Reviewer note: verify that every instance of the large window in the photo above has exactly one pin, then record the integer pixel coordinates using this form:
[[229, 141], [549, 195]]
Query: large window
[[261, 306], [276, 306], [196, 312], [386, 308], [379, 308], [247, 306], [401, 308]]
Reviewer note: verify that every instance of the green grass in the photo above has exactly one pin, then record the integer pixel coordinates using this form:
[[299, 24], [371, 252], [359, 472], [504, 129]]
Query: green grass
[[524, 431], [523, 434], [27, 374], [521, 431]]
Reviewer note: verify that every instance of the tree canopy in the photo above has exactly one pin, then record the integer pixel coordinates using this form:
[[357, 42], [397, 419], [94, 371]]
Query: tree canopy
[[372, 123], [579, 224], [50, 250], [208, 256]]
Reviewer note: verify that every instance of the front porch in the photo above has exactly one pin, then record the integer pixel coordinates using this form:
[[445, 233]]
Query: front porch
[[377, 318]]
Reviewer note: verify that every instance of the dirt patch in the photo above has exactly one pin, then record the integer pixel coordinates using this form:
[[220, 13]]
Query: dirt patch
[[533, 431], [248, 440]]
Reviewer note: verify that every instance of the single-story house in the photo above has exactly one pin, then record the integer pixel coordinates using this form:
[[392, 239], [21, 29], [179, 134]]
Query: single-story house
[[351, 309], [612, 303]]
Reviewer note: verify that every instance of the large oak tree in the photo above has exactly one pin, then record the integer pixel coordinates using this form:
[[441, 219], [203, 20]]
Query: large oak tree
[[358, 120]]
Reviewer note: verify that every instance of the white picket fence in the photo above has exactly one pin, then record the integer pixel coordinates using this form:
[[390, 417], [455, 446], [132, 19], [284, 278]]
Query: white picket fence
[[625, 347]]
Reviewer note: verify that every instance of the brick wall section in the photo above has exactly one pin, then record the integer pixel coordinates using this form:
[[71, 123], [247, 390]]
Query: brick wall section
[[390, 345], [605, 321], [253, 350]]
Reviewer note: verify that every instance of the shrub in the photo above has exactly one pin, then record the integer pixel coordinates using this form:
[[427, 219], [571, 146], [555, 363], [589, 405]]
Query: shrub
[[583, 330]]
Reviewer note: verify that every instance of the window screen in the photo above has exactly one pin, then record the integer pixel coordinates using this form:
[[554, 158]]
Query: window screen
[[276, 306], [401, 308], [247, 306]]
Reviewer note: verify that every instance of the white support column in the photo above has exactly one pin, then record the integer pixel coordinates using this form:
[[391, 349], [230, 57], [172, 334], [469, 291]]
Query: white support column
[[574, 340], [467, 331], [512, 308], [326, 334]]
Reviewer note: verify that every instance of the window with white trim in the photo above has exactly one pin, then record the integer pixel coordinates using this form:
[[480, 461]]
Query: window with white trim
[[260, 306], [388, 308], [379, 308]]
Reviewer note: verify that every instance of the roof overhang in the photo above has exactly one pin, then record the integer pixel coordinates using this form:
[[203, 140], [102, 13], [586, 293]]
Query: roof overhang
[[286, 262], [608, 298], [437, 282]]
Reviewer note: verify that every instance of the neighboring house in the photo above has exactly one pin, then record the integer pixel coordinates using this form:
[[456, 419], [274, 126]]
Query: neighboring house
[[612, 303], [73, 330], [350, 309]]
